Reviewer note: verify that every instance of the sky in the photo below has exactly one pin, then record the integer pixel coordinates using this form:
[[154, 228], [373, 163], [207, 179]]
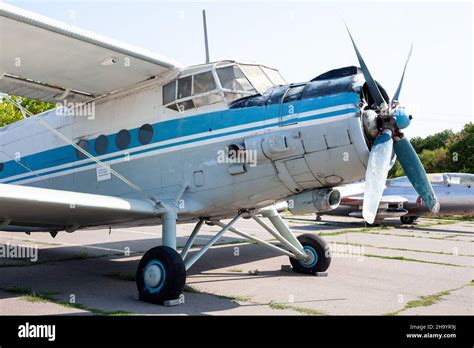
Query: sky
[[304, 39]]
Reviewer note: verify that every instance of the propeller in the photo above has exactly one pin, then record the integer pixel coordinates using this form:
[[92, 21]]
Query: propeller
[[390, 139], [399, 88]]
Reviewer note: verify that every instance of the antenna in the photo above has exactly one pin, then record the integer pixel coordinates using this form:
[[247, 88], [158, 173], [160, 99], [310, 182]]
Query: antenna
[[205, 35]]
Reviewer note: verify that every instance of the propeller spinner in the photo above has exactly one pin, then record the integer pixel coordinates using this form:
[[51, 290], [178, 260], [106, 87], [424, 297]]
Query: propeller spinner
[[393, 117]]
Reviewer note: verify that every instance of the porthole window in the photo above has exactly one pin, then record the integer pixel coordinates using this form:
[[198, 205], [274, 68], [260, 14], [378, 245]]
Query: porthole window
[[101, 144], [145, 134], [84, 144], [123, 139]]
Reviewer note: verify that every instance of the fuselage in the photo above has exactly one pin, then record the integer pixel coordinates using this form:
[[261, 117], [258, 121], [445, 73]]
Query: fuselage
[[301, 136]]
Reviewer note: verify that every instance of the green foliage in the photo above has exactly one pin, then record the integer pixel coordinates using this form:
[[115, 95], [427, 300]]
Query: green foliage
[[461, 150], [445, 151], [9, 113], [431, 142]]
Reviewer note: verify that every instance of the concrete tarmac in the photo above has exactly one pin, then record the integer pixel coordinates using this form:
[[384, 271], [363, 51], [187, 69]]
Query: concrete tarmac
[[426, 268]]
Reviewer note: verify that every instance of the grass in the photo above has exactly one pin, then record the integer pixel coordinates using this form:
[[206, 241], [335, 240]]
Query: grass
[[282, 306], [236, 270], [235, 298], [48, 296], [375, 231], [404, 249], [453, 217], [429, 300], [122, 276], [402, 258], [32, 296], [191, 289]]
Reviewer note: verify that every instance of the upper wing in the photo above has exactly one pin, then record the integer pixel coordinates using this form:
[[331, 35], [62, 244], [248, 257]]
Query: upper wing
[[47, 60], [24, 208]]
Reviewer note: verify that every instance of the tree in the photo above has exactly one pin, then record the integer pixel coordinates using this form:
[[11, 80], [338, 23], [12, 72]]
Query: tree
[[9, 113], [431, 142], [460, 148], [445, 151]]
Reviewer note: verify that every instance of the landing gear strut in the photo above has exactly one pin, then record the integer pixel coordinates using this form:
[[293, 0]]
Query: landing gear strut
[[161, 273]]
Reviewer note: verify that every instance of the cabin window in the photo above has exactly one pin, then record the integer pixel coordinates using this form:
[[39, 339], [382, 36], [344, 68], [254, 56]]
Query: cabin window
[[184, 87], [101, 144], [83, 144], [169, 92], [203, 83], [145, 134], [123, 139], [1, 166]]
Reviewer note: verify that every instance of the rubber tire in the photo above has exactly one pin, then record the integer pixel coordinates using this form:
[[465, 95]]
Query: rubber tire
[[322, 249], [175, 277], [407, 220]]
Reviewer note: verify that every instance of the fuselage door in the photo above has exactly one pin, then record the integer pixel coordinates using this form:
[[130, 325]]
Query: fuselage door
[[289, 105]]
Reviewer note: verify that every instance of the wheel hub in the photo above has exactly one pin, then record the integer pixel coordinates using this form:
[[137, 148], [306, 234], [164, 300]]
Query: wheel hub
[[153, 276], [310, 258]]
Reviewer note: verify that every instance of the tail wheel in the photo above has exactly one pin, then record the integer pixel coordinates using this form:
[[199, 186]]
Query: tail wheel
[[319, 255], [161, 275]]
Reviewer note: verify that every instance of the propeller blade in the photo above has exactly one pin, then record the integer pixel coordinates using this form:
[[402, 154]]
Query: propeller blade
[[415, 172], [373, 88], [397, 93], [376, 174]]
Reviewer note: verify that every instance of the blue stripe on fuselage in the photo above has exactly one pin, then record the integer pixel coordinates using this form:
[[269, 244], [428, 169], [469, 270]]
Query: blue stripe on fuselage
[[176, 129]]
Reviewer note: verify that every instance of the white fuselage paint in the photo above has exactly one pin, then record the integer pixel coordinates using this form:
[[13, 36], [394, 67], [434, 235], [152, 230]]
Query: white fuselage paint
[[332, 147]]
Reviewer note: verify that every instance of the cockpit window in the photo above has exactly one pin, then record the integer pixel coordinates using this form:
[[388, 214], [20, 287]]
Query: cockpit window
[[169, 92], [257, 77], [184, 87], [203, 83], [232, 78], [274, 76], [220, 82]]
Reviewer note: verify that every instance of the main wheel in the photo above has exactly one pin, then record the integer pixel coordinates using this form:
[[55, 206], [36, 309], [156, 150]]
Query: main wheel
[[319, 255], [161, 275], [408, 219]]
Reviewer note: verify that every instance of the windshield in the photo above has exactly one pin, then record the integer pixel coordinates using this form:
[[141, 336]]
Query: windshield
[[257, 77], [232, 78]]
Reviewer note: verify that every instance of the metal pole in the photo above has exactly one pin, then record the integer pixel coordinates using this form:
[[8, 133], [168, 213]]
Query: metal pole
[[168, 220], [206, 44], [260, 241], [272, 214], [282, 240], [191, 239], [192, 260]]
